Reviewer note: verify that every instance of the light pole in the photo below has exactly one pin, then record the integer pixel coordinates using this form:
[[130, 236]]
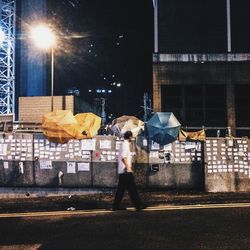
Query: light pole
[[52, 79], [45, 39]]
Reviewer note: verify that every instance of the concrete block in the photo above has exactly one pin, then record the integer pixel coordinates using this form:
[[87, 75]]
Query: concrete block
[[141, 174], [49, 177], [242, 185], [173, 176], [105, 174], [12, 175], [223, 182]]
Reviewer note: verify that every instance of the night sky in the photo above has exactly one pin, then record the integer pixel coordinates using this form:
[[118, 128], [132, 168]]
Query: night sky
[[102, 44], [200, 26], [108, 43]]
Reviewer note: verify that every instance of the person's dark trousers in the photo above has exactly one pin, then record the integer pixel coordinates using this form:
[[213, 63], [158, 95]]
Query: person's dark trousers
[[126, 182]]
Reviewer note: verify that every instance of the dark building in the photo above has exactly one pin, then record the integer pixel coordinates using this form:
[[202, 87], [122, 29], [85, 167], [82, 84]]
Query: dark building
[[201, 62]]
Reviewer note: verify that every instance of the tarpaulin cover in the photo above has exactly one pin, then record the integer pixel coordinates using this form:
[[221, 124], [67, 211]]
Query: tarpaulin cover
[[127, 123], [196, 136], [61, 125]]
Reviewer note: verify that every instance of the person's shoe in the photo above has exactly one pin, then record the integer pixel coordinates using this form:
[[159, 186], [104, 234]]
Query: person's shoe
[[118, 209]]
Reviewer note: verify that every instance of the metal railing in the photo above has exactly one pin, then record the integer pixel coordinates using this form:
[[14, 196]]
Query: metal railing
[[20, 127]]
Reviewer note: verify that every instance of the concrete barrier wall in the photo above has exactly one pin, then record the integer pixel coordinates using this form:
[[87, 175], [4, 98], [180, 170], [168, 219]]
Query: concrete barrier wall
[[227, 164], [182, 176], [31, 160], [16, 160], [11, 174]]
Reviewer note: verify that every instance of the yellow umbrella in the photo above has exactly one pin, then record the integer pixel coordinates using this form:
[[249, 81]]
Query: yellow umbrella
[[61, 126], [90, 123]]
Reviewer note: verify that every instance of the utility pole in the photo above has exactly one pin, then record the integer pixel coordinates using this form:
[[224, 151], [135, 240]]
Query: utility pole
[[155, 4], [145, 97], [229, 45], [147, 107], [103, 114]]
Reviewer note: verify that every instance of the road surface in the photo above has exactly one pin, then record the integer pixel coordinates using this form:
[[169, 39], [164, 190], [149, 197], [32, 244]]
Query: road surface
[[224, 226]]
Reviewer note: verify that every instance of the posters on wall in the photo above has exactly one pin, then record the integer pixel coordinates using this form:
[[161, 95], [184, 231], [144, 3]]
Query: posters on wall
[[88, 144], [83, 166], [3, 149], [6, 165], [177, 152], [71, 167], [45, 164], [105, 144], [229, 156]]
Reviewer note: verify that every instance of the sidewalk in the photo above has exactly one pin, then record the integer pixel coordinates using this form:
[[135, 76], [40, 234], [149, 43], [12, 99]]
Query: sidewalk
[[84, 199]]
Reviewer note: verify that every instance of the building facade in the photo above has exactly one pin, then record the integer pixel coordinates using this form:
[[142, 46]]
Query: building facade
[[200, 65]]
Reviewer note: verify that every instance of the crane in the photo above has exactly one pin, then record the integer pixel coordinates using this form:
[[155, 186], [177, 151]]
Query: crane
[[7, 56]]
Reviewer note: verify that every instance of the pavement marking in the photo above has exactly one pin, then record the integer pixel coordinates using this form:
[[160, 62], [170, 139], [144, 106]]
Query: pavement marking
[[196, 206], [102, 211]]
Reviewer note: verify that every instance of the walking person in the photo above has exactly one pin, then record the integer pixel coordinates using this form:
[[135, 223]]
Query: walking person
[[126, 177]]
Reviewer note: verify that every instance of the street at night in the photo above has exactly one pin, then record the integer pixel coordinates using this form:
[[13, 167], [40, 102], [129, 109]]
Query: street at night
[[124, 124], [208, 228]]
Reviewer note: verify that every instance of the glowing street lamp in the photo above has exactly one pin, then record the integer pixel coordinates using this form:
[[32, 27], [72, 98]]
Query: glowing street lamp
[[45, 39]]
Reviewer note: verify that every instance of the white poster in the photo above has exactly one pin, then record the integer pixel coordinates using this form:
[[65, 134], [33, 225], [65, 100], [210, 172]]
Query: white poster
[[153, 154], [105, 144], [168, 147], [155, 146], [83, 166], [71, 167], [3, 149], [88, 144], [145, 142], [45, 164], [5, 165], [189, 146]]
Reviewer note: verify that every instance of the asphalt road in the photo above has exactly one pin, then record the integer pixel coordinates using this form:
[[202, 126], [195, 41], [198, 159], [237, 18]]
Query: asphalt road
[[192, 228]]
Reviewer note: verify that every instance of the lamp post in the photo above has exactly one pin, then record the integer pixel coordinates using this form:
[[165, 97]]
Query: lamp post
[[45, 39], [52, 79]]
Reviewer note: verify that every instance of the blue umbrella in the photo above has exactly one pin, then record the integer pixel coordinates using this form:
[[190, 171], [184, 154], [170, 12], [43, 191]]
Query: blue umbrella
[[163, 127]]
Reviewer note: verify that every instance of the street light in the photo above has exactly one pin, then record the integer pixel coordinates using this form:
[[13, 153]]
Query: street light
[[45, 39]]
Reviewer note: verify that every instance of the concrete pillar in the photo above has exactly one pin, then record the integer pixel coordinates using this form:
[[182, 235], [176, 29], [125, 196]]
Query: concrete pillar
[[156, 91], [231, 107]]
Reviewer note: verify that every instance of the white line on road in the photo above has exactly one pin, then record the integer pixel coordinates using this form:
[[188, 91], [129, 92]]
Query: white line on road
[[102, 211]]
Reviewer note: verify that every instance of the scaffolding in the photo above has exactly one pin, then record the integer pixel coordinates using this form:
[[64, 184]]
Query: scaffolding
[[7, 57]]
